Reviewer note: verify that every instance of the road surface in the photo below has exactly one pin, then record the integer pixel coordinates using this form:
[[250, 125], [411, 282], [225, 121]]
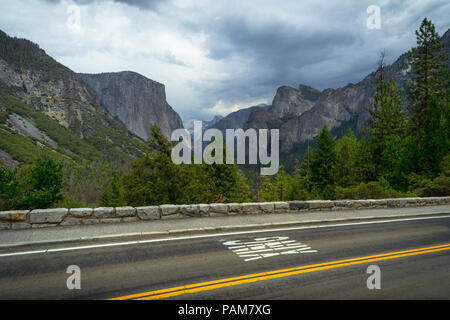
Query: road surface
[[311, 262]]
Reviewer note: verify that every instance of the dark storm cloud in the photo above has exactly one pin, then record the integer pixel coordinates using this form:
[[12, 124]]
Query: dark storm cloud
[[281, 54], [276, 52], [280, 50], [142, 4], [254, 47], [273, 40]]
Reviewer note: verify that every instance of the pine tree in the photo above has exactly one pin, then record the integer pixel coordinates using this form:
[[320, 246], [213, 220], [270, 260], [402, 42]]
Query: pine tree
[[282, 183], [9, 188], [154, 178], [297, 189], [113, 193], [429, 98], [268, 191], [435, 141], [427, 66], [42, 185], [304, 169], [228, 184], [322, 165], [347, 170], [387, 131]]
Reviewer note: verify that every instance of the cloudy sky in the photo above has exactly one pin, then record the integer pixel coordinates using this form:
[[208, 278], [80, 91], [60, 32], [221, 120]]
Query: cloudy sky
[[216, 56]]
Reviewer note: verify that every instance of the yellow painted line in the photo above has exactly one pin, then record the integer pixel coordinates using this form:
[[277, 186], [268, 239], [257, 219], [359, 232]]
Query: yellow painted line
[[265, 273], [210, 285], [274, 276]]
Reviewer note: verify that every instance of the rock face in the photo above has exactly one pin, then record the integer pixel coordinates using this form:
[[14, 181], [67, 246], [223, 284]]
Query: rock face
[[39, 95], [213, 121], [300, 119], [189, 124], [301, 113], [63, 97], [236, 119], [135, 100], [289, 102], [334, 108], [262, 119]]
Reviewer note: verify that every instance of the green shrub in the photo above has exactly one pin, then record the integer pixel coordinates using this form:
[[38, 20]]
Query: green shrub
[[3, 118], [9, 188], [42, 184], [68, 202], [370, 190], [33, 187], [438, 187]]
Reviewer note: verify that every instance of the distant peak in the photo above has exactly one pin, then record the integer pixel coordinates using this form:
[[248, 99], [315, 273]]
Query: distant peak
[[309, 93], [306, 87], [120, 75]]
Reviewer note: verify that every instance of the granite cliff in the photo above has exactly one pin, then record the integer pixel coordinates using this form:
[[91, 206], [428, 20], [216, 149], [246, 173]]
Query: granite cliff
[[135, 100], [301, 113], [47, 109]]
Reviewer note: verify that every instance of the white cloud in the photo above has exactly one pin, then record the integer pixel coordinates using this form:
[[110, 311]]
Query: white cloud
[[225, 107]]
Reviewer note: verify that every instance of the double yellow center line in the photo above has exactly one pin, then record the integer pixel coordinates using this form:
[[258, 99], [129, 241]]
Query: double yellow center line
[[226, 282]]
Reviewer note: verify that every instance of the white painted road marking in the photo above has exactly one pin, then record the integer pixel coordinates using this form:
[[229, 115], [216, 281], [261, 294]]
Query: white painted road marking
[[278, 229], [267, 247]]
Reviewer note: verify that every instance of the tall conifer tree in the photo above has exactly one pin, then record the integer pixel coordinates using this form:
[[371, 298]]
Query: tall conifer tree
[[429, 98], [322, 165]]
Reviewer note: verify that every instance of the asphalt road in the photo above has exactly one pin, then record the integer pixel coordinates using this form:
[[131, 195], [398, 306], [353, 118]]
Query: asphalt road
[[327, 262]]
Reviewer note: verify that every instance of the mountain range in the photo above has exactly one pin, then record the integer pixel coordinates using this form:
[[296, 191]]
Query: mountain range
[[135, 100], [300, 113], [46, 107]]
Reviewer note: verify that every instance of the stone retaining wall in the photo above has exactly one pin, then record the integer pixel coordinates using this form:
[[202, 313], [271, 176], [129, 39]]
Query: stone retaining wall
[[24, 219]]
